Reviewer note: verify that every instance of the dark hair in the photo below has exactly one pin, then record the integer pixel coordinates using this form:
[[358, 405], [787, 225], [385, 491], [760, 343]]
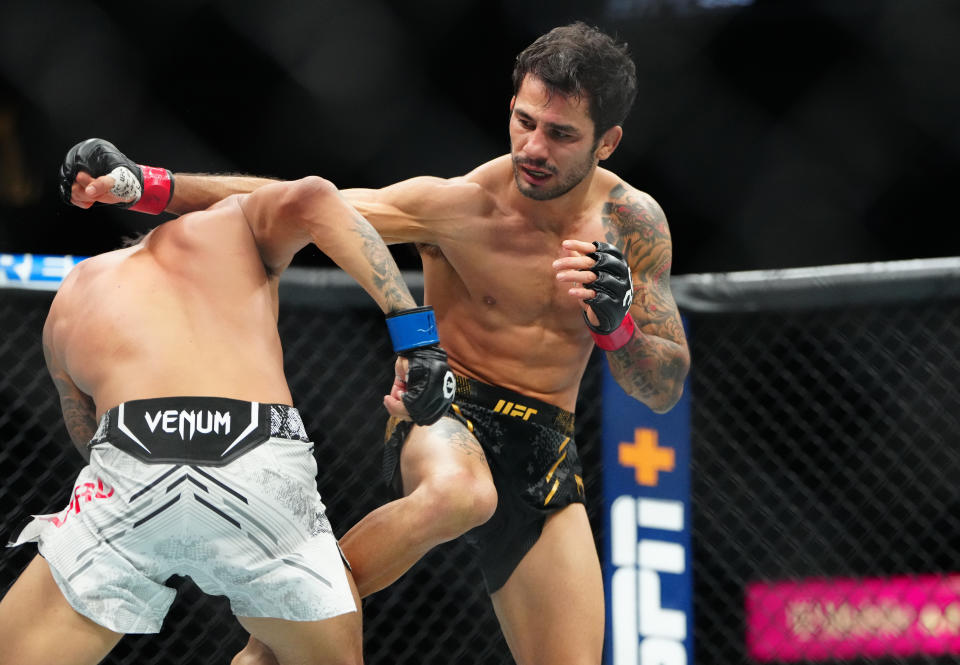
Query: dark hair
[[133, 239], [579, 60]]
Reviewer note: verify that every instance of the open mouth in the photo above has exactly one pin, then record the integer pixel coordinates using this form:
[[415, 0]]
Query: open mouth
[[534, 175]]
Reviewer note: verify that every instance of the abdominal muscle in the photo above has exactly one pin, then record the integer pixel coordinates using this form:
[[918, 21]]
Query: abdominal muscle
[[534, 360]]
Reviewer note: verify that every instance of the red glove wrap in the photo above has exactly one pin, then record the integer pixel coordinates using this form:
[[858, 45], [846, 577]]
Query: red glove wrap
[[619, 337], [157, 190]]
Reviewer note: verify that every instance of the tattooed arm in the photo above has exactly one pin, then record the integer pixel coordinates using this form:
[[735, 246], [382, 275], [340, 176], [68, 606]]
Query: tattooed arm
[[653, 365], [286, 216], [79, 411]]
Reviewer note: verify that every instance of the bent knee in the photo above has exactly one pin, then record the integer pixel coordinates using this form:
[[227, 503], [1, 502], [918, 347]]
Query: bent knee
[[254, 653], [257, 653], [485, 501], [451, 504]]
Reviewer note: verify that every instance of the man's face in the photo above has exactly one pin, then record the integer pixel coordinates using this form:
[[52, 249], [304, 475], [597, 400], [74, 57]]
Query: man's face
[[551, 141]]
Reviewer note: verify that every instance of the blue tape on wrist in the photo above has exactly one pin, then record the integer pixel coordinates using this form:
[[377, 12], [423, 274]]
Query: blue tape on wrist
[[412, 328]]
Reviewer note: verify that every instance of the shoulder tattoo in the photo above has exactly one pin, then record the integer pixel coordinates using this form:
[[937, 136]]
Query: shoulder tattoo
[[636, 224]]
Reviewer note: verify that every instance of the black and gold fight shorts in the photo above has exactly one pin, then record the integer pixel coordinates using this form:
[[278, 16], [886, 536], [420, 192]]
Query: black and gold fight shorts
[[533, 459]]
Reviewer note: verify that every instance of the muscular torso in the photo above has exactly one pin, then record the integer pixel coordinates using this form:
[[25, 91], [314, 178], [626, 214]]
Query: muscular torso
[[503, 316], [188, 311]]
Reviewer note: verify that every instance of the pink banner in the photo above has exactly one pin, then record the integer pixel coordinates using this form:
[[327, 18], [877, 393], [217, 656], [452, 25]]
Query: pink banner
[[820, 619]]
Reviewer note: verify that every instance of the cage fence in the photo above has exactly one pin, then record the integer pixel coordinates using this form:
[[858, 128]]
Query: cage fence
[[824, 452]]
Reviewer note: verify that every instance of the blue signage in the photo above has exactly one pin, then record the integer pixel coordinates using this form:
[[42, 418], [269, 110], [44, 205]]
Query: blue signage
[[35, 271], [647, 558]]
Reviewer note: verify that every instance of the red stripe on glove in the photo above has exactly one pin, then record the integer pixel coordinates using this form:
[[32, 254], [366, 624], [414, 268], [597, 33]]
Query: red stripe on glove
[[157, 190], [619, 337]]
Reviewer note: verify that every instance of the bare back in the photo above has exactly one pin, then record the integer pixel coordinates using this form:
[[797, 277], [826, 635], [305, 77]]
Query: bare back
[[190, 310]]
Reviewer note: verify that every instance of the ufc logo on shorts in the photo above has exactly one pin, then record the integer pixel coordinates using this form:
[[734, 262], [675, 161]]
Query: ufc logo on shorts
[[84, 493], [512, 409]]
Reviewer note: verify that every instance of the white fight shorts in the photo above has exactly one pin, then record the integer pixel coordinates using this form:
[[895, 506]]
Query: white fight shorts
[[222, 491]]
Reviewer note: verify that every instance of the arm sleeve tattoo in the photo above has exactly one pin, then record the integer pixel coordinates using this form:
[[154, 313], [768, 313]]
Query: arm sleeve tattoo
[[653, 366], [385, 274]]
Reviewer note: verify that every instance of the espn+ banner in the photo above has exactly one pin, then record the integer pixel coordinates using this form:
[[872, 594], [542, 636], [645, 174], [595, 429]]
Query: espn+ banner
[[647, 559], [35, 271]]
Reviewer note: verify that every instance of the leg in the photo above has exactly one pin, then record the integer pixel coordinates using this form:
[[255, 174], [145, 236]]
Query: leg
[[334, 641], [448, 490], [38, 625], [254, 653], [551, 610]]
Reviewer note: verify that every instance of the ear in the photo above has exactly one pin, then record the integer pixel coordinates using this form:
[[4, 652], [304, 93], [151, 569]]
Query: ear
[[513, 100], [609, 142]]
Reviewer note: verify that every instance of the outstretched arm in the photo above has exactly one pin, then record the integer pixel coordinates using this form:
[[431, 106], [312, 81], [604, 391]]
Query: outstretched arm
[[199, 191], [413, 210], [650, 360], [95, 171], [192, 191], [286, 216]]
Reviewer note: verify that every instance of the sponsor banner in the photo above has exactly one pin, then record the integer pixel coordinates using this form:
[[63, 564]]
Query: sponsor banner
[[837, 618], [647, 558], [35, 271]]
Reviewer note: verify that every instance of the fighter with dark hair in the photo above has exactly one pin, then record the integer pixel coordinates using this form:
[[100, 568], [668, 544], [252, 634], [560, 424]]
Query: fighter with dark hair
[[530, 261]]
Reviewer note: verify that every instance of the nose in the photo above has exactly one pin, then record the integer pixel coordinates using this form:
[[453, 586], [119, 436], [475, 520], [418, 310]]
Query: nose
[[535, 146]]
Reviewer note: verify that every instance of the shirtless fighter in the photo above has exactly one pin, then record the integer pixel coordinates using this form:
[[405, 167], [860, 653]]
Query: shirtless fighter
[[530, 260], [200, 464]]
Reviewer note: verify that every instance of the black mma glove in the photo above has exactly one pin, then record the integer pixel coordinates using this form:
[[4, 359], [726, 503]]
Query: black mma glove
[[430, 383], [142, 188], [614, 295]]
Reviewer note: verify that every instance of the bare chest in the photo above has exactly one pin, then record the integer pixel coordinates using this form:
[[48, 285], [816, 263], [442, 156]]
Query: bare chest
[[506, 267]]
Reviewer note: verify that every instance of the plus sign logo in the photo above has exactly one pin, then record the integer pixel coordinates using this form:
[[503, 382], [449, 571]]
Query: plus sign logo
[[649, 610], [646, 457]]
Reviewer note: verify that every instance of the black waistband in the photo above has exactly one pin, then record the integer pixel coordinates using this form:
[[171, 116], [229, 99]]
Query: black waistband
[[514, 405], [205, 430]]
